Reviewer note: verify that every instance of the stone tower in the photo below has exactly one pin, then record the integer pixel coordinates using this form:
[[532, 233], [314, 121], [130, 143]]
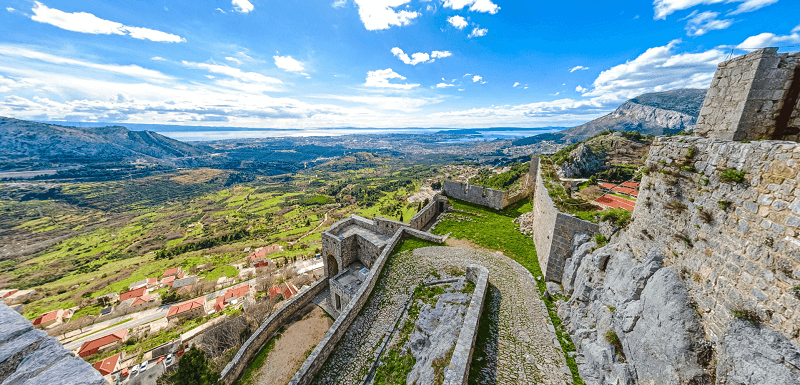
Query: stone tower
[[753, 97]]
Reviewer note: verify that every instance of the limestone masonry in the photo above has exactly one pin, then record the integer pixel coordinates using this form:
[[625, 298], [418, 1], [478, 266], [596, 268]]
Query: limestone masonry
[[30, 356], [753, 97], [485, 196]]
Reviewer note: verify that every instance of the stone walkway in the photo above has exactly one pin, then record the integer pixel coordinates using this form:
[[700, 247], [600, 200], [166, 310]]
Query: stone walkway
[[525, 348]]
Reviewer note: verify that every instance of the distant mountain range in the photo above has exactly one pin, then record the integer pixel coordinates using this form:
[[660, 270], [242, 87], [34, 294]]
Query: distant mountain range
[[31, 142], [658, 113]]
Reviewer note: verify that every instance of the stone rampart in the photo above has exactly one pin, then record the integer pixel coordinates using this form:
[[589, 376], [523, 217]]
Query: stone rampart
[[267, 330], [553, 230], [726, 215], [753, 97], [475, 194], [30, 356], [457, 371], [321, 352], [436, 206]]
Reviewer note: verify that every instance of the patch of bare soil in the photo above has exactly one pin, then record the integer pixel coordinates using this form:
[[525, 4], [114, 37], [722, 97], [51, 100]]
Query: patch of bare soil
[[298, 338]]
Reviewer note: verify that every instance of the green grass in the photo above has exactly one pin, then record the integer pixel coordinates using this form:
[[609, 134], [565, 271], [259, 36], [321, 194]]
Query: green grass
[[732, 175], [222, 271], [86, 311], [495, 230]]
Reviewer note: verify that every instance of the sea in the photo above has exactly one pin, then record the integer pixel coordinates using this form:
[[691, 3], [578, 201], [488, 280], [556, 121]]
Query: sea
[[205, 133]]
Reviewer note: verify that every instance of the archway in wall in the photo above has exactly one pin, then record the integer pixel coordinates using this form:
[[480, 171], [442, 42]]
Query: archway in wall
[[333, 266]]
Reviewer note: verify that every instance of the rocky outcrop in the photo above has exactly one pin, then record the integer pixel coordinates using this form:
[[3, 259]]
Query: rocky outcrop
[[30, 356], [583, 161], [749, 354], [630, 319]]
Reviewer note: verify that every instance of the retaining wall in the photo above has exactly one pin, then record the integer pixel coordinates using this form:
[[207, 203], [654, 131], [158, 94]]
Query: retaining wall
[[553, 230], [736, 245], [267, 330], [458, 371], [475, 194], [320, 354]]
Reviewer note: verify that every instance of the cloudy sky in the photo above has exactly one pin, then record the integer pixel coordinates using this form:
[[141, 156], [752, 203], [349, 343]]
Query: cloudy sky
[[367, 63]]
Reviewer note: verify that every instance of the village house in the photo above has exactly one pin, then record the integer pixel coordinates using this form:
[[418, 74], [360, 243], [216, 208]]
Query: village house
[[173, 271], [260, 254], [106, 342], [189, 309], [133, 294], [231, 296], [107, 366], [288, 290], [49, 319], [178, 283]]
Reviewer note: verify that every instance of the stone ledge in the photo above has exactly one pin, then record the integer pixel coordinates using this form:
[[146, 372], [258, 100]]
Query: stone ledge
[[458, 371]]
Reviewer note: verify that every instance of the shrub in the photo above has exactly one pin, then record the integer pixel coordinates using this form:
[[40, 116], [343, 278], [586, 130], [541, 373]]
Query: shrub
[[723, 205], [688, 168], [600, 239], [691, 153], [613, 339], [619, 217], [732, 175], [675, 205]]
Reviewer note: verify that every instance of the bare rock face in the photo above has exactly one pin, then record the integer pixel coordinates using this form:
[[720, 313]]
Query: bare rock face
[[748, 354], [30, 356], [585, 161], [640, 304]]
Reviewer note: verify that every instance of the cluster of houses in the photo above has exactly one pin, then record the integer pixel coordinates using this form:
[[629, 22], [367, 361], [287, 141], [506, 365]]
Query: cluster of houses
[[258, 258], [611, 201], [14, 297]]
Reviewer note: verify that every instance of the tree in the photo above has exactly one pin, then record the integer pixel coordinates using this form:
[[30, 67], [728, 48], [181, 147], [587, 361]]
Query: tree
[[193, 369]]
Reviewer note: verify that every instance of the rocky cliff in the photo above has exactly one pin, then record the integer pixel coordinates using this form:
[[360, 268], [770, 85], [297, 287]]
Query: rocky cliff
[[602, 152], [654, 114]]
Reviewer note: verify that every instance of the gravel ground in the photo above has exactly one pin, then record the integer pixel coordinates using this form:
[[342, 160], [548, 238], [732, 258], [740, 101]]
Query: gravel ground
[[526, 352]]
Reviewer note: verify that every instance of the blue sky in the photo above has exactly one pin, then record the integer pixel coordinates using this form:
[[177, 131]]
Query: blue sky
[[367, 63]]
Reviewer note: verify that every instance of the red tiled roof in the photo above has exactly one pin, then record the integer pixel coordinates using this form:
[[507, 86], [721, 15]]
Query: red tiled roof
[[630, 184], [608, 186], [186, 306], [615, 202], [132, 294], [140, 300], [46, 317], [289, 291], [168, 280], [172, 271], [123, 372], [102, 341], [151, 280], [10, 293], [625, 190], [184, 289], [180, 275], [108, 365]]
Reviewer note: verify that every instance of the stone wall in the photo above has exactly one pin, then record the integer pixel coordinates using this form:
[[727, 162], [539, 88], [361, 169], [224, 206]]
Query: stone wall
[[30, 356], [267, 330], [428, 212], [457, 371], [553, 230], [475, 194], [321, 352], [735, 244], [747, 95]]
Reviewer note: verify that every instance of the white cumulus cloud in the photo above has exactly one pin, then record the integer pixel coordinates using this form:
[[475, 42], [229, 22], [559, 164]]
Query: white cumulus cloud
[[158, 58], [381, 14], [701, 23], [578, 68], [752, 5], [88, 23], [474, 5], [476, 78], [380, 79], [768, 39], [287, 63], [339, 3], [457, 21], [477, 32], [579, 89], [664, 8], [515, 84], [242, 6], [419, 57], [444, 85]]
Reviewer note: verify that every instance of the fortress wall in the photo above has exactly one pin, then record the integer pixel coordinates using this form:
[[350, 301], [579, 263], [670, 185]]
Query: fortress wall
[[553, 230], [475, 194], [743, 257], [305, 375], [747, 95], [427, 213], [267, 330]]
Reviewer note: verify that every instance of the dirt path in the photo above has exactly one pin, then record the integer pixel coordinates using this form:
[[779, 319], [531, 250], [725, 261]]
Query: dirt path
[[521, 349], [290, 349]]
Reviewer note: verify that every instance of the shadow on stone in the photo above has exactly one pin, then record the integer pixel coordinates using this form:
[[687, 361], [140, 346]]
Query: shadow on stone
[[483, 368]]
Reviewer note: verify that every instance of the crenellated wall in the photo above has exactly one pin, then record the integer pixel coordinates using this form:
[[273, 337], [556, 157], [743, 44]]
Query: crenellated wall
[[735, 244]]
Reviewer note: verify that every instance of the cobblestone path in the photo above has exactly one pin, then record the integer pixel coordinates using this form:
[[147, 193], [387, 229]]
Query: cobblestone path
[[524, 351]]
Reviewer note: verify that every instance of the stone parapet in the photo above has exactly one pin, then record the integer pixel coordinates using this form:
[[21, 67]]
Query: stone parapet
[[436, 206]]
